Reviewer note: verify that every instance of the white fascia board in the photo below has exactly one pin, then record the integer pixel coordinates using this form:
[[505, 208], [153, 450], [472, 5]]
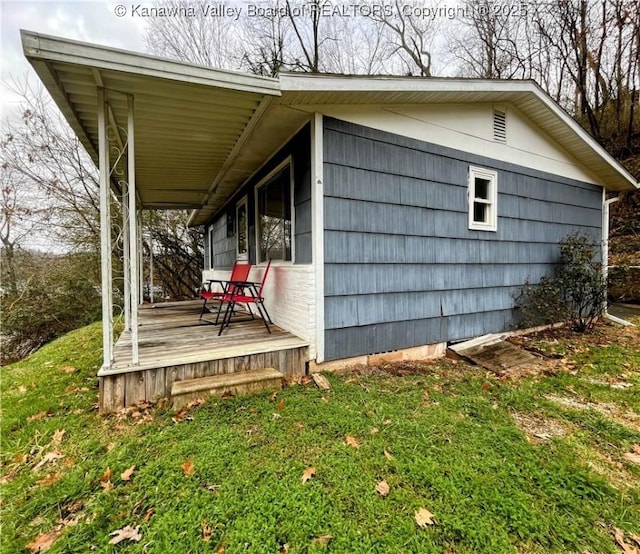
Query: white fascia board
[[333, 83], [44, 47], [296, 82], [583, 135]]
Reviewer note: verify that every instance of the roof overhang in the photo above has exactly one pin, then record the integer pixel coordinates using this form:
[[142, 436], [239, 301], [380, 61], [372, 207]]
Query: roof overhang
[[201, 132], [190, 121], [315, 91]]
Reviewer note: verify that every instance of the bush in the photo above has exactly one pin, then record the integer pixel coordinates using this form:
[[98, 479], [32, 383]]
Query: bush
[[60, 295], [575, 293]]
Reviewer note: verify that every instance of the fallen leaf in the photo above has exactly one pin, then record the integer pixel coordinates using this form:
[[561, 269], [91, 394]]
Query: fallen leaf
[[626, 547], [148, 514], [273, 396], [43, 542], [106, 475], [106, 485], [632, 457], [20, 458], [299, 426], [284, 549], [187, 468], [57, 436], [126, 475], [110, 446], [50, 479], [220, 549], [308, 473], [127, 533], [68, 369], [280, 404], [22, 389], [386, 422], [424, 517], [374, 431], [36, 417], [388, 454], [352, 442], [206, 531], [382, 488], [323, 539], [49, 457]]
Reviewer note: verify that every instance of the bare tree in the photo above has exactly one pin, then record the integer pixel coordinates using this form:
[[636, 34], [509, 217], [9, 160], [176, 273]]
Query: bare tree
[[410, 38], [41, 153], [193, 35]]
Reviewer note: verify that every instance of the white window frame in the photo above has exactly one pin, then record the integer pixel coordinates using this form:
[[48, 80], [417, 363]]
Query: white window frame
[[288, 161], [243, 200], [492, 202]]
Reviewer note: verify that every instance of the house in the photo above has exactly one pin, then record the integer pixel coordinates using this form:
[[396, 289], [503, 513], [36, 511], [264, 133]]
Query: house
[[399, 213]]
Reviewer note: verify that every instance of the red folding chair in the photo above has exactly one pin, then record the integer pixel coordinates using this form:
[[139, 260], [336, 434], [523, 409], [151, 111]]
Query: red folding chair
[[240, 272], [248, 293]]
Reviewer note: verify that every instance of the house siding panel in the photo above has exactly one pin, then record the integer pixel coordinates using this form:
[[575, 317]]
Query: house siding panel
[[402, 268]]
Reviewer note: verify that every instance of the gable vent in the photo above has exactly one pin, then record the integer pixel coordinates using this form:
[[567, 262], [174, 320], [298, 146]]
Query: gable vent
[[499, 126]]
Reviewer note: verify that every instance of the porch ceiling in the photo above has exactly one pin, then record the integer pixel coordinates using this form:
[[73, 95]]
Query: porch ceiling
[[190, 121]]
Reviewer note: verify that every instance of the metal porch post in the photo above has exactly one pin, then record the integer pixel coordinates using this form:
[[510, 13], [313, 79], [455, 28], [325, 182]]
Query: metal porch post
[[150, 268], [133, 226], [105, 234], [126, 253]]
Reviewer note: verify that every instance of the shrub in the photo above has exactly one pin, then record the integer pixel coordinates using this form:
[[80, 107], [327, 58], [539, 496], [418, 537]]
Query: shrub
[[60, 295], [575, 293]]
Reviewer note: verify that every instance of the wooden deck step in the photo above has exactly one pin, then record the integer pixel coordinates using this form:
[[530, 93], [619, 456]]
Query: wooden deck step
[[244, 382]]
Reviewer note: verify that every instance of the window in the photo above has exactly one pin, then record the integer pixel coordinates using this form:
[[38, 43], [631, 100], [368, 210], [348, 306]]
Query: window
[[242, 243], [274, 217], [483, 199]]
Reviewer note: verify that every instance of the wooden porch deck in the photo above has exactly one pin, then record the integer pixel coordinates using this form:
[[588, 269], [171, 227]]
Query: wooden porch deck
[[174, 345]]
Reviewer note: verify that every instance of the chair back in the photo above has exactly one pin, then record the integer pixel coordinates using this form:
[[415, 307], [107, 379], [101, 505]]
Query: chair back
[[240, 272], [264, 276]]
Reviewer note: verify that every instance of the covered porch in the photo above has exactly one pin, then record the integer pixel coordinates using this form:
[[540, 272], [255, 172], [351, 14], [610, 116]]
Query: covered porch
[[175, 136], [175, 345]]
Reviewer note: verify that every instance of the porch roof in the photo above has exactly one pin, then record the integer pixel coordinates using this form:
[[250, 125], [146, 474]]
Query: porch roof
[[201, 132]]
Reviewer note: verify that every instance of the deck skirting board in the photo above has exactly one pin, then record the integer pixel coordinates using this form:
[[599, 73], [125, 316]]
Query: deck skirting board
[[120, 390]]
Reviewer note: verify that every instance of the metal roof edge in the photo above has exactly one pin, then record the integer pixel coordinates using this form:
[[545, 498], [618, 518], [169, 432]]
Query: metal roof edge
[[37, 46]]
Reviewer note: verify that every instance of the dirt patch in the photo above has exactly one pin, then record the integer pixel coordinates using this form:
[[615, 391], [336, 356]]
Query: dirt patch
[[630, 420], [539, 428], [442, 368]]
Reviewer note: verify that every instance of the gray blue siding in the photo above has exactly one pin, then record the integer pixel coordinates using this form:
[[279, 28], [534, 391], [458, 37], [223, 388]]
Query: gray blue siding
[[224, 247], [402, 267]]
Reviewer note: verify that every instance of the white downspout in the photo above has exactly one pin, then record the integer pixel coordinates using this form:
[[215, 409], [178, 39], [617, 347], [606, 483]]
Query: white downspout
[[605, 231], [605, 251]]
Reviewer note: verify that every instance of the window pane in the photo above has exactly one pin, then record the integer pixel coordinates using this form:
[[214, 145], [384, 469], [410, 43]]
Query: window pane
[[482, 188], [274, 218], [480, 212]]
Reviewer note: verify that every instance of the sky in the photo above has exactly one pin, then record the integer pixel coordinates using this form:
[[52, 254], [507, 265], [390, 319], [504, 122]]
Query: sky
[[84, 20]]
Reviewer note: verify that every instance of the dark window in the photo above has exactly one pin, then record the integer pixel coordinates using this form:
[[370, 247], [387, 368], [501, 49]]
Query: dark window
[[274, 218]]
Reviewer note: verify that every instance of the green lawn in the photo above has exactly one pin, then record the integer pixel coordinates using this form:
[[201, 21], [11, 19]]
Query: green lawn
[[542, 464]]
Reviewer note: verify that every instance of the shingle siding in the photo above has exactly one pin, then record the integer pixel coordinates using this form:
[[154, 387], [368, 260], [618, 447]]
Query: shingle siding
[[402, 267]]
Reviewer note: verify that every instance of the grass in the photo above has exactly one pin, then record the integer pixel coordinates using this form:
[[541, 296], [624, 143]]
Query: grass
[[504, 466]]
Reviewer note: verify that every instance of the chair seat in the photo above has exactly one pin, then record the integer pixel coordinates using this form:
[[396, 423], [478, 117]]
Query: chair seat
[[244, 299], [209, 295]]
